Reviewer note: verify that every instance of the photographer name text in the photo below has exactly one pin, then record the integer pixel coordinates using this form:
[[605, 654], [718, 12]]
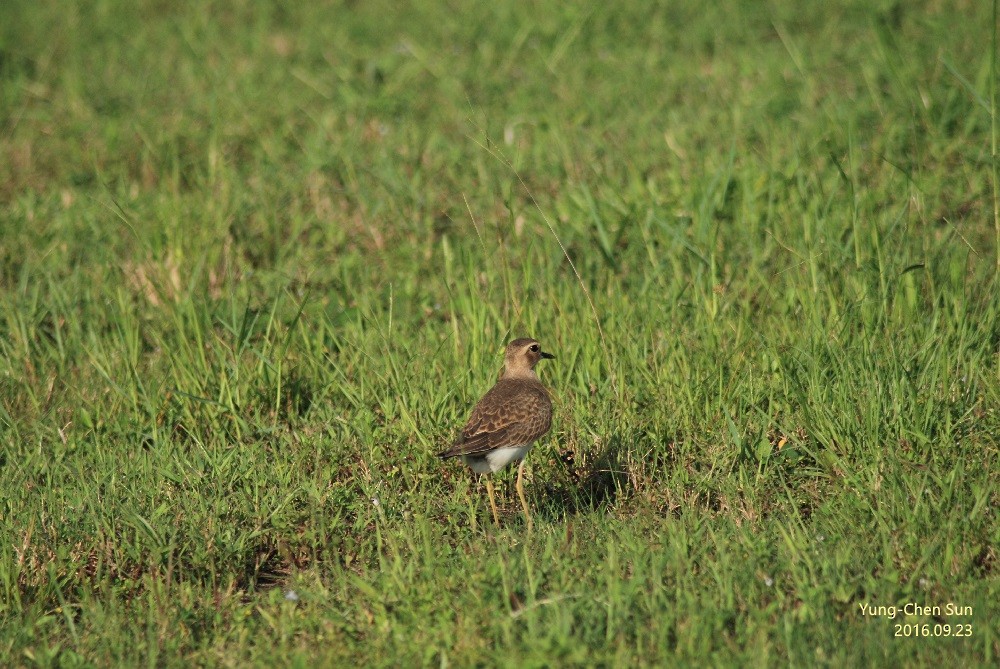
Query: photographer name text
[[949, 610]]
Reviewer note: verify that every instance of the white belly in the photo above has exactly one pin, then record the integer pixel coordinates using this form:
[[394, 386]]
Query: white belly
[[496, 459]]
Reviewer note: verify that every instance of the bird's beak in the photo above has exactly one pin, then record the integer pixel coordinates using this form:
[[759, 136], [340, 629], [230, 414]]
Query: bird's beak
[[547, 356]]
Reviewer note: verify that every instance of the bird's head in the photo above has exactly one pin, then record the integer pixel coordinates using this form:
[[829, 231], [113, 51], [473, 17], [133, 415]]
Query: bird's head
[[521, 357]]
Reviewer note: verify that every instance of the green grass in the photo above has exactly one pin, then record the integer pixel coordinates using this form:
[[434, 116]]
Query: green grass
[[258, 261]]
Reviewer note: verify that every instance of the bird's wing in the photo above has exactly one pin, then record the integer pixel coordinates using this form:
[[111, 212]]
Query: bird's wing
[[513, 421]]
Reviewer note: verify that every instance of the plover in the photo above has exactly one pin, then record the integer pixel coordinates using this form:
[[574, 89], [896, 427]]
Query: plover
[[507, 420]]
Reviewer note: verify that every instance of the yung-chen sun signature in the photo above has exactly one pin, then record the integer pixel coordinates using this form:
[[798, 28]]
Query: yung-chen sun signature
[[949, 610]]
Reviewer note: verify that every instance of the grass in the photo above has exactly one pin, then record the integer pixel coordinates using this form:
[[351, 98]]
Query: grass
[[258, 261]]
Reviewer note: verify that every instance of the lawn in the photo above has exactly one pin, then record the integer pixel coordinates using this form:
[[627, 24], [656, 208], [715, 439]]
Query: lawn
[[259, 260]]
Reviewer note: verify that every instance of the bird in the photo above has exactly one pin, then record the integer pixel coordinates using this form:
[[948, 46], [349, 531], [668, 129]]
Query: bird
[[508, 419]]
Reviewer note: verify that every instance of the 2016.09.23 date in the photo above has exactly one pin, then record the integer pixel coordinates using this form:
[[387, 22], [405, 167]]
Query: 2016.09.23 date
[[927, 629]]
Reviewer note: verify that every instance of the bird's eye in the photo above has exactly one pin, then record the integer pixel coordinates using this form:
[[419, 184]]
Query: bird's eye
[[533, 348]]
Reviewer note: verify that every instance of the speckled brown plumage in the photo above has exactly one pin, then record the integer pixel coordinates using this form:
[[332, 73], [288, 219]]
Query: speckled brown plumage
[[507, 420], [515, 412]]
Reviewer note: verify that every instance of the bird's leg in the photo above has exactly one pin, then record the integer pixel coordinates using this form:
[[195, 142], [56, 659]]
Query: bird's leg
[[520, 493], [493, 504]]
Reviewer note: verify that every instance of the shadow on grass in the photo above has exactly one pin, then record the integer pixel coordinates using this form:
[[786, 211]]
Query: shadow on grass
[[603, 484]]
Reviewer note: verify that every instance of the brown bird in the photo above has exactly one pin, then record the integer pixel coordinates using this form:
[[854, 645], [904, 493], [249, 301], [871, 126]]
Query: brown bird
[[507, 420]]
